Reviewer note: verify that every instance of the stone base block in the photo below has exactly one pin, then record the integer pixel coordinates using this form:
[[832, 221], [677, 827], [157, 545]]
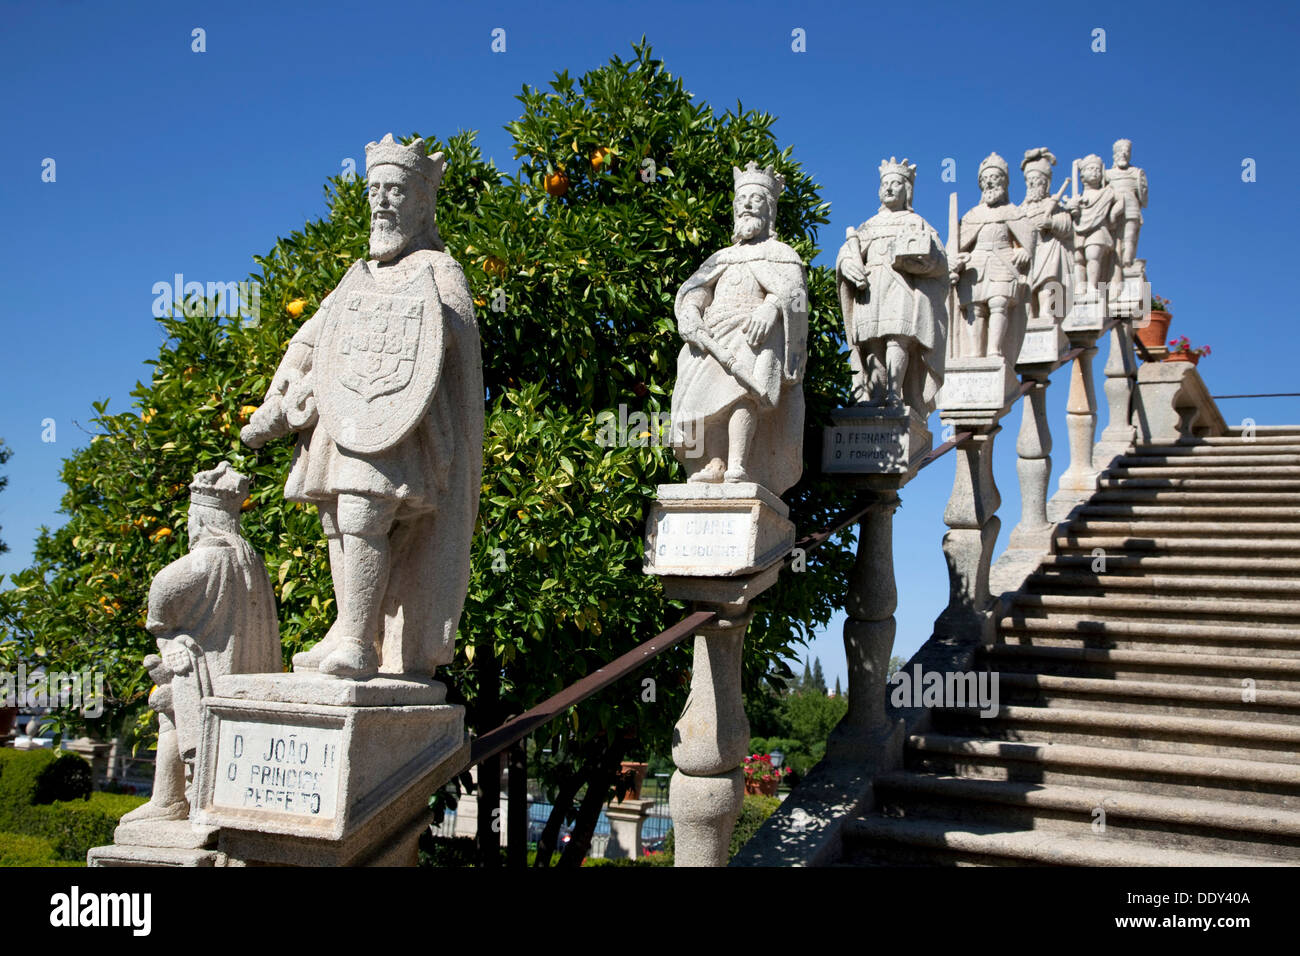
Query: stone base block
[[175, 834], [151, 856], [716, 530], [311, 781], [977, 384], [867, 440], [1088, 312], [1043, 345]]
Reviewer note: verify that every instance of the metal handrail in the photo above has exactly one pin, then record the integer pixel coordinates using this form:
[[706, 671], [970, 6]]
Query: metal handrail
[[516, 729]]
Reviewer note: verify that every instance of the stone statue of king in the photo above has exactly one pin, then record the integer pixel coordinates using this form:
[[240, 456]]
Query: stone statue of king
[[384, 386], [892, 275], [744, 318]]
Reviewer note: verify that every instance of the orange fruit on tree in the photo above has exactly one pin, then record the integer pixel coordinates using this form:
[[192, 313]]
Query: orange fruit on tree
[[599, 157], [557, 184], [295, 307]]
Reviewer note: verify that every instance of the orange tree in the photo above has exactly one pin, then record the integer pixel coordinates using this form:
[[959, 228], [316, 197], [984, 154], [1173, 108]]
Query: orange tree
[[574, 289]]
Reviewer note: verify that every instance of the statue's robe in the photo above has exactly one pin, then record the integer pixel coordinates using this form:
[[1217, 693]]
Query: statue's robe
[[909, 305], [434, 474], [1099, 220], [219, 596], [735, 281], [1054, 252]]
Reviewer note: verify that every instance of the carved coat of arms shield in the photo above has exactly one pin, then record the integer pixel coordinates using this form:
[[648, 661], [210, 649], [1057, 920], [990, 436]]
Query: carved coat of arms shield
[[379, 360]]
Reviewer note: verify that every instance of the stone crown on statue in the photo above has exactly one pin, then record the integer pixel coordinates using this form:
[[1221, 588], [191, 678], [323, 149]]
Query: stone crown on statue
[[413, 158], [892, 166], [222, 488], [768, 178]]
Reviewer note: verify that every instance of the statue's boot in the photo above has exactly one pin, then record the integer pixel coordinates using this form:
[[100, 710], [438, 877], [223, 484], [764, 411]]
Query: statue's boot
[[357, 660], [712, 472], [366, 566], [740, 431], [177, 810], [309, 660]]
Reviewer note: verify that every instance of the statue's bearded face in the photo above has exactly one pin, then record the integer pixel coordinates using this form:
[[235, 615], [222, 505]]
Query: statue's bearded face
[[1123, 153], [1090, 173], [893, 192], [993, 187], [1036, 186], [753, 212], [398, 211]]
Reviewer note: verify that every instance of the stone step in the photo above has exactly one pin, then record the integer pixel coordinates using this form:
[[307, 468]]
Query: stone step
[[1221, 565], [1207, 463], [927, 841], [1220, 473], [1115, 580], [1175, 482], [1218, 670], [1056, 630], [1245, 500], [1149, 697], [1249, 782], [1114, 527], [1182, 511], [1104, 607], [1127, 817], [1178, 545], [1270, 445], [1268, 741], [1237, 433]]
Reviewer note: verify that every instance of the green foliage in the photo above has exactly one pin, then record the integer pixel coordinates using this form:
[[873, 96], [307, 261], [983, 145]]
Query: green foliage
[[587, 281], [753, 812], [74, 826], [17, 849], [47, 795], [30, 777]]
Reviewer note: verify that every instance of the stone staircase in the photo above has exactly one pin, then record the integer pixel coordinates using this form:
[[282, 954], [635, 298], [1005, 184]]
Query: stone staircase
[[1149, 677]]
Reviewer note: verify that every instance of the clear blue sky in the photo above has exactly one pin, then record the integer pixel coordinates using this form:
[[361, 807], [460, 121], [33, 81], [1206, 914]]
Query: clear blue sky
[[173, 161]]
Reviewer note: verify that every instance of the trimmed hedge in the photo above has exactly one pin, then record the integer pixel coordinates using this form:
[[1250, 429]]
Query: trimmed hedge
[[45, 796], [41, 776]]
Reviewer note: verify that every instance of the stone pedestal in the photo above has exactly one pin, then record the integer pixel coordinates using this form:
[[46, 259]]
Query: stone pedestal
[[977, 385], [700, 529], [1172, 404], [625, 821], [308, 770], [1034, 467], [869, 440], [712, 737], [1044, 343], [1121, 372], [971, 517], [1080, 478]]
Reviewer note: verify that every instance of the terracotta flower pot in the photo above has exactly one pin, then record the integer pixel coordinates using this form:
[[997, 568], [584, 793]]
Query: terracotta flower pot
[[1153, 335], [639, 769], [1183, 357], [765, 787]]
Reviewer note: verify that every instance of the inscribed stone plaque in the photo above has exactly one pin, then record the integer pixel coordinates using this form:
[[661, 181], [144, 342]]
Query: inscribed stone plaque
[[278, 768], [870, 448], [703, 538]]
